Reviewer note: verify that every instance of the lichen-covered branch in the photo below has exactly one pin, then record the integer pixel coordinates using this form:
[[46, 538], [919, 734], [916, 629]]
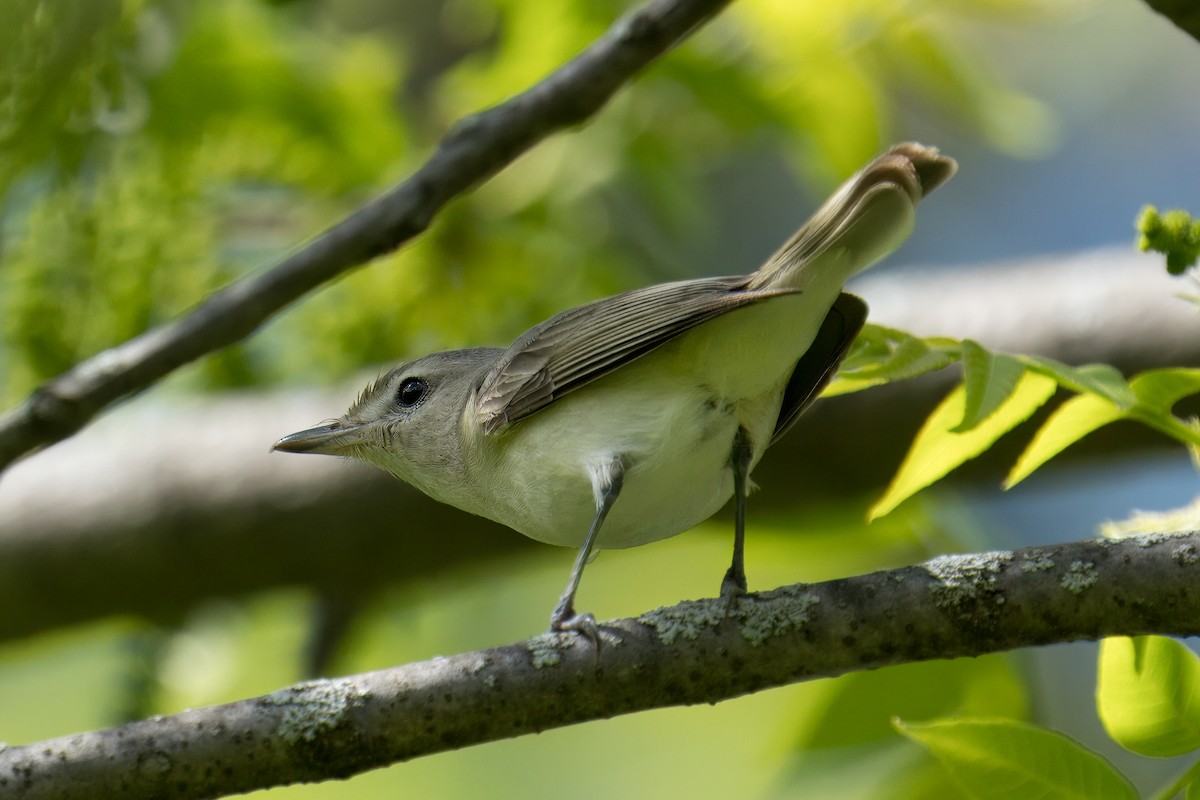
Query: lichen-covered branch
[[477, 148], [952, 606]]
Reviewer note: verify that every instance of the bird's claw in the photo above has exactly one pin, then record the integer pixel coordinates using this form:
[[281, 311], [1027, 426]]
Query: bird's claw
[[565, 619]]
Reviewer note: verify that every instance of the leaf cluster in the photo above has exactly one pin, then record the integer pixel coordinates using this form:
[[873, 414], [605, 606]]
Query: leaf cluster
[[997, 393]]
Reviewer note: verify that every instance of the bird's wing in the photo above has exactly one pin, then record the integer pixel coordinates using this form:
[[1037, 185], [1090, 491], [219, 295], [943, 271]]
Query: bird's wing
[[580, 345], [817, 366]]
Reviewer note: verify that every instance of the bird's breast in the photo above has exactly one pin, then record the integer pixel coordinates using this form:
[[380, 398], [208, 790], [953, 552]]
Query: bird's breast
[[673, 437]]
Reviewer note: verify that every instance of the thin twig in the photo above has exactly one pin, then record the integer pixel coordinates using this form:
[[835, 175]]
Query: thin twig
[[691, 653], [475, 149]]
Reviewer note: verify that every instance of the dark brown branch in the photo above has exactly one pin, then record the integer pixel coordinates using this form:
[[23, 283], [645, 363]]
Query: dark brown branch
[[949, 607], [474, 150]]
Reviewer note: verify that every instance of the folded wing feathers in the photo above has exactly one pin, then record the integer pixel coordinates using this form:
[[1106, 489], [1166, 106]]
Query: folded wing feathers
[[585, 343]]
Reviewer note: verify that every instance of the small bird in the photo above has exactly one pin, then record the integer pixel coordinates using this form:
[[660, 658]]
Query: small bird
[[633, 418]]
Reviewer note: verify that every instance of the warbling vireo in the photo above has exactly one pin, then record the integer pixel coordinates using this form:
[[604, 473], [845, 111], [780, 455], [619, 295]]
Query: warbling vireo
[[635, 417]]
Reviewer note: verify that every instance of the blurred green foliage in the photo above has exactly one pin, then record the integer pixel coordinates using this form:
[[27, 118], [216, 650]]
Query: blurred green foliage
[[152, 150]]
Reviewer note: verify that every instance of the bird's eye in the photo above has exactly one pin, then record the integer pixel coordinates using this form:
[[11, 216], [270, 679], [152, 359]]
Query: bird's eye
[[411, 392]]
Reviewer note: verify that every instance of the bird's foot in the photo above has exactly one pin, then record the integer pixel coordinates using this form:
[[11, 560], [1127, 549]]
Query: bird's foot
[[565, 619], [733, 586]]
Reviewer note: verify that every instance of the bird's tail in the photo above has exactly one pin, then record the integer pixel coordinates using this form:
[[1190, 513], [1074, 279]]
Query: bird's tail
[[864, 220]]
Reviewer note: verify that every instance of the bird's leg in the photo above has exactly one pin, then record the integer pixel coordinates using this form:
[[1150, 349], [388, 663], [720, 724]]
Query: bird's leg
[[606, 485], [733, 585]]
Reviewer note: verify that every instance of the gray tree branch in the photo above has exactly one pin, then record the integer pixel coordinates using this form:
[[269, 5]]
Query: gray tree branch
[[474, 150], [948, 607]]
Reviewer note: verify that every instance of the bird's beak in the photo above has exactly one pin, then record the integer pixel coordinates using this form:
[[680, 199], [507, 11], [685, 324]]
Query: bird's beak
[[334, 438]]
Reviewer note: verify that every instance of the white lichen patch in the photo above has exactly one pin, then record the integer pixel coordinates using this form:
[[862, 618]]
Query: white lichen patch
[[762, 618], [1149, 539], [310, 709], [157, 763], [1041, 563], [546, 648], [758, 618], [963, 578], [1080, 577], [1186, 555], [686, 620]]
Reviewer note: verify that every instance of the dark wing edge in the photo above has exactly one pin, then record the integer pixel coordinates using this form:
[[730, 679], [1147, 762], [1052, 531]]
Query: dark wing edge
[[820, 362], [578, 346]]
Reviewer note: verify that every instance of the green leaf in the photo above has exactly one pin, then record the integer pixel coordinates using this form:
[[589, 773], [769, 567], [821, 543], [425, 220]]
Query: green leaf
[[895, 354], [1155, 392], [1101, 379], [988, 378], [882, 355], [1160, 389], [849, 385], [938, 448], [1002, 759], [1148, 694], [1069, 423]]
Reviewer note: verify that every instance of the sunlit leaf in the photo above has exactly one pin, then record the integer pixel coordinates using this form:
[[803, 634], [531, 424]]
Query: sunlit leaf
[[938, 449], [1148, 694], [1155, 392], [988, 379], [1161, 419], [1069, 423], [1160, 389], [1003, 759]]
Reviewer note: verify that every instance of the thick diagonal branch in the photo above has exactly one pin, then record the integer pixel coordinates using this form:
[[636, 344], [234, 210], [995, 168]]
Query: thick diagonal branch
[[477, 148], [951, 606]]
